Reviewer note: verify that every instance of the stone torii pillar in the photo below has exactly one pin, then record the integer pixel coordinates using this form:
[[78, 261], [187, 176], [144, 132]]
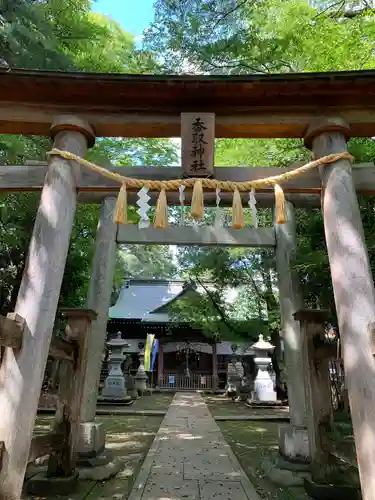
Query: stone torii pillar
[[21, 371], [92, 435], [293, 438], [353, 288]]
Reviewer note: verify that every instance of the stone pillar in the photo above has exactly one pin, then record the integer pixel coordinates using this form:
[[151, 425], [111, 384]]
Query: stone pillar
[[293, 440], [317, 353], [353, 288], [215, 378], [160, 362], [61, 476], [92, 435], [22, 371]]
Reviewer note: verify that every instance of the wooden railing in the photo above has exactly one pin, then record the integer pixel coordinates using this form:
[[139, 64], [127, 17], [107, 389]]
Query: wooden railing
[[182, 382]]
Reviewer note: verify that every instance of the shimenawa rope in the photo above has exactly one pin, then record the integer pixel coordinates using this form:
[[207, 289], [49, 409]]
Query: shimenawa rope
[[198, 185]]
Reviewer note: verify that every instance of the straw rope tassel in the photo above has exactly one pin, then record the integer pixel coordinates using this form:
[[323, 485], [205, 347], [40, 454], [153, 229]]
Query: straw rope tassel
[[197, 201], [238, 220], [280, 213], [161, 214], [225, 186], [121, 209]]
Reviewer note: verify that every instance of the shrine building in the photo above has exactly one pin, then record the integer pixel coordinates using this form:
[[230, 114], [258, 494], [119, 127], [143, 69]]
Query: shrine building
[[187, 358]]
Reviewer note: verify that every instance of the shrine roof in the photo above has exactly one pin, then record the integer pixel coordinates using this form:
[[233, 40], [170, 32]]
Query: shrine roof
[[106, 99], [147, 299]]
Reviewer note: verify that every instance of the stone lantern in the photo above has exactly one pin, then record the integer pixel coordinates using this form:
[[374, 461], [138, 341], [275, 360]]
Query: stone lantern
[[114, 386], [141, 375], [263, 385]]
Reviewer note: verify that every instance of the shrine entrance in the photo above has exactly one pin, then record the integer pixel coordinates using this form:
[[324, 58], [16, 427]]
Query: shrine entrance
[[324, 110]]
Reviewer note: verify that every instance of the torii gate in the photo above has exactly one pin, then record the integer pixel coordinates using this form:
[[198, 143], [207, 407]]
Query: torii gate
[[324, 109]]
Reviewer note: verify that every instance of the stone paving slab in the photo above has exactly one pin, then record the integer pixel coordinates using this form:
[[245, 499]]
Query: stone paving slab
[[215, 470], [170, 486], [190, 460], [253, 418], [220, 490], [278, 414]]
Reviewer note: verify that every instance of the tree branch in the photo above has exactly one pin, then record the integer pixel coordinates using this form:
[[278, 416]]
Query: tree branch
[[341, 13], [260, 295], [350, 14], [226, 14], [217, 307], [340, 3], [232, 66]]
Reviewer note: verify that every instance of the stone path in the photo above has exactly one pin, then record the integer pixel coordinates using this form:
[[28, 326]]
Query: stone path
[[190, 460]]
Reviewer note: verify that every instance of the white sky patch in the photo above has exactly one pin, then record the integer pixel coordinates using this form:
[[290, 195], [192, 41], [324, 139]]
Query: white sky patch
[[138, 40], [231, 294]]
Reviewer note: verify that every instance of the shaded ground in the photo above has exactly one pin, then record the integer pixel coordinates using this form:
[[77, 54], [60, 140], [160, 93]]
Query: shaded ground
[[156, 401], [252, 442], [342, 442], [130, 438], [221, 405]]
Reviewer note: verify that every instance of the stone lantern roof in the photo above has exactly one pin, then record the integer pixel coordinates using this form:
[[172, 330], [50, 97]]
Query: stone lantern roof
[[263, 345]]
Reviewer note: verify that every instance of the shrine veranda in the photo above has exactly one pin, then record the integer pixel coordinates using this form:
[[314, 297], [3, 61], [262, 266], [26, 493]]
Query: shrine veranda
[[324, 109]]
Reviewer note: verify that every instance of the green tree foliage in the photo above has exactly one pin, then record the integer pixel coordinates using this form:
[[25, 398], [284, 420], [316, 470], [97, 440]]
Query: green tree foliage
[[147, 262], [191, 36], [263, 37], [130, 152], [26, 37], [232, 304], [64, 35]]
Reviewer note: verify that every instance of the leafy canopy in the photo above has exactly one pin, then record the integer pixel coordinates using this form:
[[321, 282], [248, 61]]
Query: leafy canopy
[[65, 35]]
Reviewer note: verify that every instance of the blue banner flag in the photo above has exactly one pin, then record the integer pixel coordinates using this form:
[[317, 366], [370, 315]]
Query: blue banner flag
[[155, 349]]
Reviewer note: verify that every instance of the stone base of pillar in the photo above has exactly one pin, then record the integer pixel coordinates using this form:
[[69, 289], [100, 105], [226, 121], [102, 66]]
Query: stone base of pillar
[[99, 468], [94, 462], [331, 491], [294, 443], [91, 439], [284, 473], [42, 485]]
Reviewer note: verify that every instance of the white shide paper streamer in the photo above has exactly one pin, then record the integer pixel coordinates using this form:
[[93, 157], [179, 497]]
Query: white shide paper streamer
[[252, 204], [218, 221], [182, 205], [144, 207]]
